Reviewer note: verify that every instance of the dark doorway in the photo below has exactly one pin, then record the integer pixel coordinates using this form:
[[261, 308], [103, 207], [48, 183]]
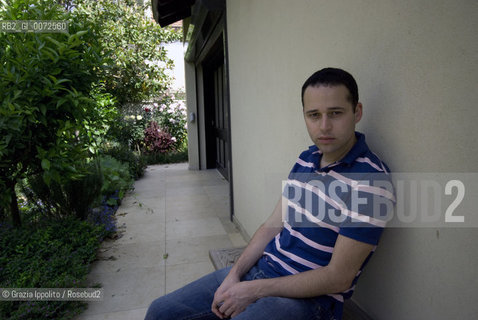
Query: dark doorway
[[216, 111]]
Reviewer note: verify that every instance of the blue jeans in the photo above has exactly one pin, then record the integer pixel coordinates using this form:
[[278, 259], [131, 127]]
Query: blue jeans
[[194, 302]]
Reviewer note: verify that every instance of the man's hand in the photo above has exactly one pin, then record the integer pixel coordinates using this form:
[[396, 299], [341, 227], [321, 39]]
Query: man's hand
[[232, 301], [230, 281]]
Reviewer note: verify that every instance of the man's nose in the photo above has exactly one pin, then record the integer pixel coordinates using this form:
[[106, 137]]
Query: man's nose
[[325, 123]]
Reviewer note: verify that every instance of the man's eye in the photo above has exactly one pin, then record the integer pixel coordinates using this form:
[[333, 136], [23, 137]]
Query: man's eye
[[335, 113], [313, 115]]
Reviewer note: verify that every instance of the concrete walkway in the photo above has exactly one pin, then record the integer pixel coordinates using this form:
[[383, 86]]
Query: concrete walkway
[[168, 224]]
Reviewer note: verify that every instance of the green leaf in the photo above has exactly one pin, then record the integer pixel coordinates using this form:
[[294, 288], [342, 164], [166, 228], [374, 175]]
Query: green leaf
[[77, 35], [17, 94], [45, 164], [8, 137], [62, 81], [55, 42], [52, 54], [112, 202], [56, 71], [60, 102], [46, 178], [52, 78]]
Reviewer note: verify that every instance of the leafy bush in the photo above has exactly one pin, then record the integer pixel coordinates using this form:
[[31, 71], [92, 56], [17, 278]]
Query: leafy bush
[[53, 254], [116, 178], [136, 162], [136, 46], [49, 94], [135, 120], [157, 140], [128, 130], [163, 158], [72, 197], [173, 119]]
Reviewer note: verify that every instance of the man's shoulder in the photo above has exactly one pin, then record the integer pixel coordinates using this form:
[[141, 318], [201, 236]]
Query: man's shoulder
[[307, 160], [311, 151], [362, 159], [371, 162]]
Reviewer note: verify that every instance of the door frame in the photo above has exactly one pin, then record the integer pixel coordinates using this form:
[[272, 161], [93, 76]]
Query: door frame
[[209, 31], [216, 111]]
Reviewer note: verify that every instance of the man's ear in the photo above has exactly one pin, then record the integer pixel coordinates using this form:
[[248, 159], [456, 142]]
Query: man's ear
[[358, 112]]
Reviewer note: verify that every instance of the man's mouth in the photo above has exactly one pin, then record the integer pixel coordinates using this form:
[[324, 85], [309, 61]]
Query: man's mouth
[[326, 139]]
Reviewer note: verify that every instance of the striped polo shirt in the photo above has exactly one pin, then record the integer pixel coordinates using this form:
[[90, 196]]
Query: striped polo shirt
[[352, 197]]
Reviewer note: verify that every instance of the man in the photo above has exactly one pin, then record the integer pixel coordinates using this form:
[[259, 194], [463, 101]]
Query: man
[[307, 256]]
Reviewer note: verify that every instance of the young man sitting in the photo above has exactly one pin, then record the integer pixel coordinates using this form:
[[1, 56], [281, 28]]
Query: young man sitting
[[305, 259]]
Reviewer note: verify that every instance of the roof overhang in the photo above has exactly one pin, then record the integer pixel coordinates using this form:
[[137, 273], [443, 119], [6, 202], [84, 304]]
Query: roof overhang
[[166, 12]]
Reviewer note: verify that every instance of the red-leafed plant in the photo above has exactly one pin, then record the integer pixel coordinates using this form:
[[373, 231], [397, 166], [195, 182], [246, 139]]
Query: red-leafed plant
[[157, 140]]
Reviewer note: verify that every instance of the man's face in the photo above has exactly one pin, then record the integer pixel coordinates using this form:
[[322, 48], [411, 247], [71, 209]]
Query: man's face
[[330, 119]]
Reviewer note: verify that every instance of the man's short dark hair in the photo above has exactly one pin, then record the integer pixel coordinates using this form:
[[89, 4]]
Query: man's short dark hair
[[333, 77]]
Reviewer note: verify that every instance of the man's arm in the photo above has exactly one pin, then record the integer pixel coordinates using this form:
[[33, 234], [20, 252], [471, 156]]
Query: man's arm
[[337, 276], [254, 250]]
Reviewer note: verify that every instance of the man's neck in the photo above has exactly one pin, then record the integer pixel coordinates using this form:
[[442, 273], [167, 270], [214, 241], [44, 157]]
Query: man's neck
[[325, 160]]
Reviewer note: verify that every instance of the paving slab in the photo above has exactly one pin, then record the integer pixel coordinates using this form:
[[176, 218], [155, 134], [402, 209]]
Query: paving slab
[[168, 224]]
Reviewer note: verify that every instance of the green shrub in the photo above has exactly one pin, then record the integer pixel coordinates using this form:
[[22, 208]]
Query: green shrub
[[72, 197], [163, 158], [128, 130], [132, 44], [116, 178], [136, 162], [52, 254], [51, 105]]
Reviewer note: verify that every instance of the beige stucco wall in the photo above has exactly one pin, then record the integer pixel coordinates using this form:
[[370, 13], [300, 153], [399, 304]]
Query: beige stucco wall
[[416, 65]]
